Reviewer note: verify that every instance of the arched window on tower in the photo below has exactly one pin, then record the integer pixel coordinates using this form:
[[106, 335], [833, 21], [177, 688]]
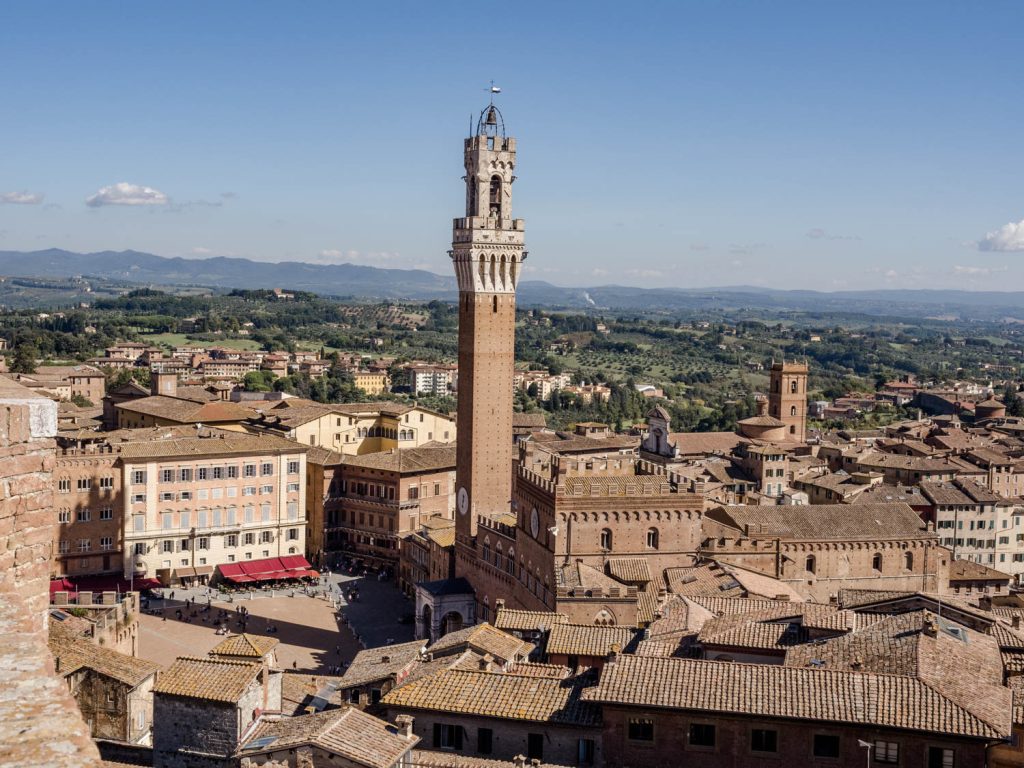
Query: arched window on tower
[[606, 538], [792, 410], [908, 560], [793, 386], [876, 561], [809, 564], [495, 197], [652, 538]]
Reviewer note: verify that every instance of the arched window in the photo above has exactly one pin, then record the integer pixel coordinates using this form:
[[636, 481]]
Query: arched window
[[876, 561], [792, 410], [497, 555], [495, 197], [495, 304], [487, 550], [792, 429], [510, 565], [809, 564], [652, 538], [793, 387], [606, 538], [908, 560]]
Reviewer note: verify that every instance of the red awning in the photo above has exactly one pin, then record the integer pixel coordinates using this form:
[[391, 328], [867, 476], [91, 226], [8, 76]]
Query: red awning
[[294, 562], [61, 585], [227, 570]]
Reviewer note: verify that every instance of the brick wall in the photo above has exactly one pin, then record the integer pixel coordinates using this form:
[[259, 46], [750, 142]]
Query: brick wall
[[39, 721]]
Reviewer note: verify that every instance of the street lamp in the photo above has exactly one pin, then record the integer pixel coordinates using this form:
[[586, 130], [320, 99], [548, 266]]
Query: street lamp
[[867, 745]]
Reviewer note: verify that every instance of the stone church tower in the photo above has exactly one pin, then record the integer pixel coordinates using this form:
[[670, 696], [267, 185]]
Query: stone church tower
[[787, 398], [487, 251]]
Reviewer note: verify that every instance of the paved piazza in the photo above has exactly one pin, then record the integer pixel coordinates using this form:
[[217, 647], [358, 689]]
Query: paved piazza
[[311, 631]]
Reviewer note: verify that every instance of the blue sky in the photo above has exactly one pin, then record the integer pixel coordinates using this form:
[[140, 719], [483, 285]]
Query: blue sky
[[805, 144]]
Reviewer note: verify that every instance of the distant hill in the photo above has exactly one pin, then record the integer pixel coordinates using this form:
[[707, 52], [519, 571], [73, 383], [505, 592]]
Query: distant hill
[[373, 282], [222, 272]]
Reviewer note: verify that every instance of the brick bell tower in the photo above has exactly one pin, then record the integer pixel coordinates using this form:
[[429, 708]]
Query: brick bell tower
[[487, 251], [787, 398]]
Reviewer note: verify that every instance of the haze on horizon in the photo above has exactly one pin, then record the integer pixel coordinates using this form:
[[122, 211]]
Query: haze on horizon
[[796, 145]]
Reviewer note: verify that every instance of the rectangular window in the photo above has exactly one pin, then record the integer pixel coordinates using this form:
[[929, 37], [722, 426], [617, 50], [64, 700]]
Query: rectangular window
[[250, 538], [293, 534], [139, 477], [265, 512], [826, 745], [640, 730], [886, 752], [185, 545], [267, 468], [218, 473], [203, 494], [106, 483], [140, 548], [64, 485], [167, 546], [167, 496], [231, 540], [186, 520], [702, 735], [293, 467], [249, 490], [106, 513], [266, 537], [64, 516], [64, 547], [84, 545], [185, 475], [84, 483], [201, 473], [84, 515], [138, 522], [250, 470], [106, 542], [266, 490], [166, 475], [139, 498], [940, 758], [764, 740], [293, 510], [447, 736], [204, 542], [293, 487], [484, 741], [232, 471]]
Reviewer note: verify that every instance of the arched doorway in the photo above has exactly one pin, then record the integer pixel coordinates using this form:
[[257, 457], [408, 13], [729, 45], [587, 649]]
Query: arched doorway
[[451, 622]]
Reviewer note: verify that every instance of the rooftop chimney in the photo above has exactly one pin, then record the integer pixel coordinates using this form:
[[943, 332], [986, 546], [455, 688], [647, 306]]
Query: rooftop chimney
[[1015, 621], [613, 652], [519, 761], [404, 725], [485, 662]]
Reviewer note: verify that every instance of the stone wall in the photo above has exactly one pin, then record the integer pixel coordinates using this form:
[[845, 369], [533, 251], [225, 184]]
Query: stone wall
[[39, 722]]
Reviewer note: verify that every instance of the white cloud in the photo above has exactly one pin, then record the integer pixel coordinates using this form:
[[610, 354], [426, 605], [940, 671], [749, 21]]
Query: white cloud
[[1009, 237], [124, 193], [643, 272], [365, 258], [977, 271], [820, 234], [21, 198]]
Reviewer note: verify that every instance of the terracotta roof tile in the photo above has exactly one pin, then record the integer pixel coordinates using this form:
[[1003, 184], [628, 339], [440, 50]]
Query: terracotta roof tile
[[499, 694], [207, 678], [407, 460], [526, 621], [255, 646], [348, 733], [629, 569], [380, 663], [483, 638], [773, 691], [825, 521], [589, 639]]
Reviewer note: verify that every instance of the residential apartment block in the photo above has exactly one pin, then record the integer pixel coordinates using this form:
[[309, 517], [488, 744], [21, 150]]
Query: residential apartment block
[[195, 501]]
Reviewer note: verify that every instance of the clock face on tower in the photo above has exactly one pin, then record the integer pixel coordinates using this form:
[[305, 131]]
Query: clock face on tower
[[534, 522], [463, 501]]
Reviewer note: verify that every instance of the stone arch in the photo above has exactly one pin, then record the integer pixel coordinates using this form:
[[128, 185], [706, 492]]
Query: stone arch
[[451, 622]]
